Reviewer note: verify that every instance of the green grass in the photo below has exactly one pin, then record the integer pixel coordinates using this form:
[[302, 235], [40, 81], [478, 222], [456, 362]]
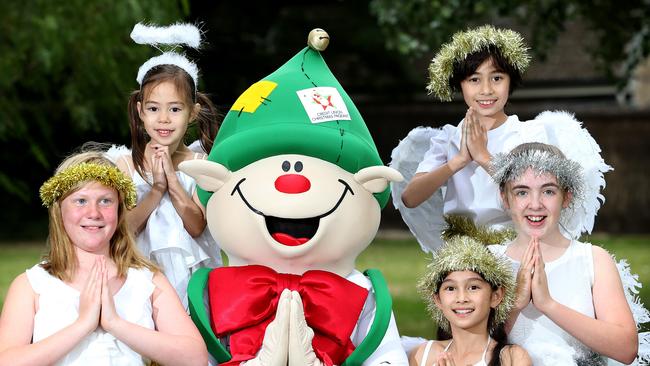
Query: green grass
[[15, 258], [400, 260]]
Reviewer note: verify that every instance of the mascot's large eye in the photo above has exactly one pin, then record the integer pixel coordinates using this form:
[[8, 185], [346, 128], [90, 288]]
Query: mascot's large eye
[[298, 166], [286, 166]]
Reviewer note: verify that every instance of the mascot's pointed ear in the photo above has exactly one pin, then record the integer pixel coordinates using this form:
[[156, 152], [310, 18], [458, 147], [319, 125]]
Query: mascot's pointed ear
[[376, 178], [209, 175]]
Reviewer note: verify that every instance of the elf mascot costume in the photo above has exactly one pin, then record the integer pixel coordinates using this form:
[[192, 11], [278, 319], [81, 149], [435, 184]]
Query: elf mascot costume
[[293, 189]]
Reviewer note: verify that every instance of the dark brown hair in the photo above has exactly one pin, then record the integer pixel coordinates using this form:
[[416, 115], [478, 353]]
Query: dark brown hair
[[468, 66], [497, 333], [208, 118]]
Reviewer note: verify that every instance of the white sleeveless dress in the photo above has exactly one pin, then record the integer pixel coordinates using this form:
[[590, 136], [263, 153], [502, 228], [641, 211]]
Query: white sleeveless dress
[[570, 279], [164, 238], [58, 307], [425, 355]]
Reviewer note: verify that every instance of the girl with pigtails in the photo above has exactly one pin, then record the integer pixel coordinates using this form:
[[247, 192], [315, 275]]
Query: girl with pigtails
[[169, 220]]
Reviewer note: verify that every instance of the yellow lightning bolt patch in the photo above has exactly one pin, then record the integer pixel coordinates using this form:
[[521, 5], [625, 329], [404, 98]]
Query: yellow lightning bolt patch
[[253, 96]]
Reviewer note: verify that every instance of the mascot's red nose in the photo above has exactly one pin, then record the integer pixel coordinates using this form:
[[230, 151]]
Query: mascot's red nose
[[292, 183]]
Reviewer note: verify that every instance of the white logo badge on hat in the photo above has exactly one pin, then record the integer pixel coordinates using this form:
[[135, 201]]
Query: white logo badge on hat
[[323, 104]]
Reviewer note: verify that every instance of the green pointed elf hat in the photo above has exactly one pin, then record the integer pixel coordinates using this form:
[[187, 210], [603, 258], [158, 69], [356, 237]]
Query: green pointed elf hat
[[299, 109]]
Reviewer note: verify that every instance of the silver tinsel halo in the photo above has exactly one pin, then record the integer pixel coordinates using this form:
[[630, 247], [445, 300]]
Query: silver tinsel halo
[[510, 44], [507, 167], [462, 253]]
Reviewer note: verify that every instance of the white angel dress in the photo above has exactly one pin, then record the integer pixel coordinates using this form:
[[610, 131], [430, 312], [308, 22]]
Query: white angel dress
[[164, 238], [570, 280], [472, 193], [58, 307]]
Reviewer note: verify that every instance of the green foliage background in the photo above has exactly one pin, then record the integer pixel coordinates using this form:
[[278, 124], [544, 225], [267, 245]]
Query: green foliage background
[[67, 68], [621, 28]]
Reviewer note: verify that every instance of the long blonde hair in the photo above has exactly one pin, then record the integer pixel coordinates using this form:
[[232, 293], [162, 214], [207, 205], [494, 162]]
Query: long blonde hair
[[61, 259]]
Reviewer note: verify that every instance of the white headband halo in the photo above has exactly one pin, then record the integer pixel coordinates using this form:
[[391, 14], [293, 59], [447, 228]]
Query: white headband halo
[[174, 35]]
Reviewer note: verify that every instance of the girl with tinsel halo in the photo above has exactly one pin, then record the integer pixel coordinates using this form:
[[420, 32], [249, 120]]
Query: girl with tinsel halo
[[571, 305], [469, 293], [169, 220], [447, 188], [94, 300]]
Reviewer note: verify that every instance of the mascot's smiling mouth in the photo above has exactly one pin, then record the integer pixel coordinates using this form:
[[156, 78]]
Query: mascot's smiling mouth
[[292, 232]]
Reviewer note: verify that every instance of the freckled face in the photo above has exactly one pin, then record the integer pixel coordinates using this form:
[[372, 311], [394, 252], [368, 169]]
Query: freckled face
[[90, 217], [535, 202]]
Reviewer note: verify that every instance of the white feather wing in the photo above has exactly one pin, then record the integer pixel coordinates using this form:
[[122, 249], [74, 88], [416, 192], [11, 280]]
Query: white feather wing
[[561, 129], [425, 221]]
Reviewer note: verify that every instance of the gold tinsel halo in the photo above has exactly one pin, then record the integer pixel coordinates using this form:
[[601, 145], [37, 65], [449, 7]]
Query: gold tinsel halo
[[510, 44], [107, 175], [463, 253]]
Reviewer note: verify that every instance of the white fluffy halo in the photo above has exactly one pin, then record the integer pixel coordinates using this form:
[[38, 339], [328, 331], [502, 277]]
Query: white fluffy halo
[[179, 33], [169, 58], [175, 34]]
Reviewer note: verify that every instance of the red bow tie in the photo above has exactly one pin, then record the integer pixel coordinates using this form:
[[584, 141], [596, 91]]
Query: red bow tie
[[243, 301]]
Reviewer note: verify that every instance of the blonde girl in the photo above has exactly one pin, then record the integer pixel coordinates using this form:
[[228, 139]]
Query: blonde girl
[[94, 300]]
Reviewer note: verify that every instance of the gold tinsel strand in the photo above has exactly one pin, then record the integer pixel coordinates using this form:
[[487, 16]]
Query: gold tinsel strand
[[463, 226]]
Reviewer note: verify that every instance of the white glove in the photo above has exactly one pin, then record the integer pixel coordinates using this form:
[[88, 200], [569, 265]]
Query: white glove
[[301, 352], [274, 351]]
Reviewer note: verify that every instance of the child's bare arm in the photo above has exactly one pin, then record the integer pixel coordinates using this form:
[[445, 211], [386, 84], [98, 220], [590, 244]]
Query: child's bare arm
[[175, 340], [514, 355], [613, 333], [16, 330], [137, 217], [424, 185]]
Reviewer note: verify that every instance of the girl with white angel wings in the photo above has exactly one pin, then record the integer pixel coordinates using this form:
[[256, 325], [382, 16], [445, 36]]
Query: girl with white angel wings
[[448, 189]]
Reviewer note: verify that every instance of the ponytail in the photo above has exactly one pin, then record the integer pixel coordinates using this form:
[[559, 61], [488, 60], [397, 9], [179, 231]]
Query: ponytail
[[208, 121], [138, 134], [501, 340]]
